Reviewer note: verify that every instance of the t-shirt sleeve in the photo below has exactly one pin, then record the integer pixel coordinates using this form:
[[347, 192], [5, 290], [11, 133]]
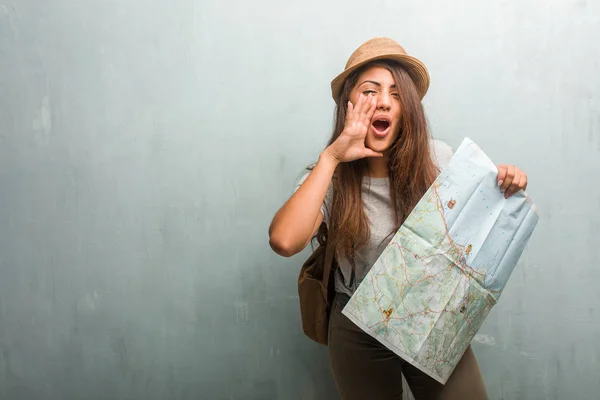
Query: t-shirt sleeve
[[326, 206], [441, 154]]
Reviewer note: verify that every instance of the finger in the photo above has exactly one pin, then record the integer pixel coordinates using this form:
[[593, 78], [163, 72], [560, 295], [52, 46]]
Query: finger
[[363, 119], [355, 108], [514, 186], [371, 110], [501, 174], [349, 112], [359, 106], [367, 106], [510, 174], [524, 181]]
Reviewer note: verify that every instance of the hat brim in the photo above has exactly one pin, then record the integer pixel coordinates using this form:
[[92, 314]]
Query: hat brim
[[415, 68]]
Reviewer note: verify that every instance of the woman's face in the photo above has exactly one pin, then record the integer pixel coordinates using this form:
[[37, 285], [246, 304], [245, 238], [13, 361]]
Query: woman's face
[[379, 83]]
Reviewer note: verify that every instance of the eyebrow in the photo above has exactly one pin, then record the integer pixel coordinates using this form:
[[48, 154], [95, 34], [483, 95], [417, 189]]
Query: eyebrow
[[375, 83]]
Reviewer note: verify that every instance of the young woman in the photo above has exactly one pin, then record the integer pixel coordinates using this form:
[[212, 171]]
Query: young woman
[[379, 162]]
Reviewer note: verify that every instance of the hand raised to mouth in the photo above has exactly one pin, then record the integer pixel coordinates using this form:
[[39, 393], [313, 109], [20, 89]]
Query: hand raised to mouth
[[350, 145]]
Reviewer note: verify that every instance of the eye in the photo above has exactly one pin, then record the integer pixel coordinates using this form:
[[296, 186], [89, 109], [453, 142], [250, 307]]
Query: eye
[[396, 95], [368, 92]]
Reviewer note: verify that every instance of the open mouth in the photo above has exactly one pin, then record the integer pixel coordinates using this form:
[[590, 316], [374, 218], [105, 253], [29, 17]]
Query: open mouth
[[381, 125]]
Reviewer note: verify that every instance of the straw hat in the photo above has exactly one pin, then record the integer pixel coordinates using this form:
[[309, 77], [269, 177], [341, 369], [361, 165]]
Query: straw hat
[[378, 49]]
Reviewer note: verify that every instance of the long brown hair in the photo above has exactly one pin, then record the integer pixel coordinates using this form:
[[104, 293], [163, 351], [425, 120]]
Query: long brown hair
[[411, 170]]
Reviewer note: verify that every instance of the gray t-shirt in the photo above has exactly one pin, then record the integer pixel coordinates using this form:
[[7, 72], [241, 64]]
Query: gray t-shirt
[[379, 210]]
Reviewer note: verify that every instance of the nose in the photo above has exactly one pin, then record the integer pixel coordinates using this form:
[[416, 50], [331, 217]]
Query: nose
[[384, 101]]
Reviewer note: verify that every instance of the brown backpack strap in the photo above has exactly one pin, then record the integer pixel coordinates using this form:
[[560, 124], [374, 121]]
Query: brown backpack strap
[[328, 265]]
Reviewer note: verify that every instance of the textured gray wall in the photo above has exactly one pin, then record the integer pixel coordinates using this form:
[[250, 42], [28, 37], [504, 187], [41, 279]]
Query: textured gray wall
[[145, 145]]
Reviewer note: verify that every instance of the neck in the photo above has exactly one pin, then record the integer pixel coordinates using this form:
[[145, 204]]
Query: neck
[[378, 167]]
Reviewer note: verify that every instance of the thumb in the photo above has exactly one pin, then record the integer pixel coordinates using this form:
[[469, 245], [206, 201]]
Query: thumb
[[371, 153]]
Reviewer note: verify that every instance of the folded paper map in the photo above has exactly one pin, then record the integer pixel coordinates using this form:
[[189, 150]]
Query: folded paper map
[[429, 292]]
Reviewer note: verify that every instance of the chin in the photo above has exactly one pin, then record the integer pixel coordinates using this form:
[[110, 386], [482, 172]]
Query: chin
[[378, 145]]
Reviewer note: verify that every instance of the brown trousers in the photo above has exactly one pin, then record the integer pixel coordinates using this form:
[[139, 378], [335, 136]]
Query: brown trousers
[[364, 369]]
